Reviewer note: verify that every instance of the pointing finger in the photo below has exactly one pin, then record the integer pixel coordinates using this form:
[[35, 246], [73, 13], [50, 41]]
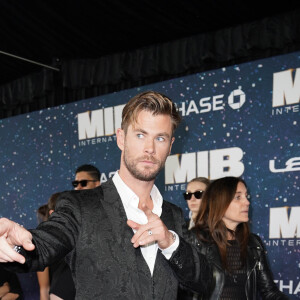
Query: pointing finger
[[146, 209], [133, 224], [148, 212]]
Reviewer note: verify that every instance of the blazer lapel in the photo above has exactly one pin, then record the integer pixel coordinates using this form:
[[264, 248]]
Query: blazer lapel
[[122, 233], [116, 213]]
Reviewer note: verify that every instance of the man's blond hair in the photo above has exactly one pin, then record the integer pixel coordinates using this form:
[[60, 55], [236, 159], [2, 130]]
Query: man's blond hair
[[154, 102]]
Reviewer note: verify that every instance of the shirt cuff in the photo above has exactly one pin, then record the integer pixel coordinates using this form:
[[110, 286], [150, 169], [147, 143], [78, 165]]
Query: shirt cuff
[[169, 251]]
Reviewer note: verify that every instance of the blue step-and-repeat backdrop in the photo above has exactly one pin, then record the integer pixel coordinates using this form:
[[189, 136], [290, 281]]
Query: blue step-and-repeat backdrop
[[241, 120]]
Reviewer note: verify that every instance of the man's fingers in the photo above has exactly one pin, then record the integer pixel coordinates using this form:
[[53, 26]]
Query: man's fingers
[[148, 233], [11, 235], [8, 254], [133, 224], [28, 245], [146, 237], [148, 212], [26, 240], [139, 231], [22, 237], [5, 258], [138, 228]]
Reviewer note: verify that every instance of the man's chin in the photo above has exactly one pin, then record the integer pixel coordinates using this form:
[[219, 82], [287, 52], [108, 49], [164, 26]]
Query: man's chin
[[142, 172], [146, 176]]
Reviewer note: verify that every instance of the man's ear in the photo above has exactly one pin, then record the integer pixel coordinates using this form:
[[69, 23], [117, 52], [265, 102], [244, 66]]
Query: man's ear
[[172, 141], [120, 138]]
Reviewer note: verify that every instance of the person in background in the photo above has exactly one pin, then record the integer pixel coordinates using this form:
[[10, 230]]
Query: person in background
[[238, 257], [193, 196], [194, 192], [56, 282], [86, 177], [10, 287], [62, 286], [61, 281]]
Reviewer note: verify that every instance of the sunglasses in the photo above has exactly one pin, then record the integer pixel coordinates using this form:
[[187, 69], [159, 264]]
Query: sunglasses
[[83, 183], [197, 194]]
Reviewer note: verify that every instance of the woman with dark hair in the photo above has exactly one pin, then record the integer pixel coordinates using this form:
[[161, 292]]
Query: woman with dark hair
[[237, 256]]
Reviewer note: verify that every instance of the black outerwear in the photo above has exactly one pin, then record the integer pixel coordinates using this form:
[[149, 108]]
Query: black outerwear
[[259, 277], [91, 225], [13, 281], [61, 281]]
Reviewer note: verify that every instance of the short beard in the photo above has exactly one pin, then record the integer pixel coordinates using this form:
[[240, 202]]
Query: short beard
[[142, 175]]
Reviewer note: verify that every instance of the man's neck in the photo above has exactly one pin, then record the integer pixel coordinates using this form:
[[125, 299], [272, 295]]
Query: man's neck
[[141, 188]]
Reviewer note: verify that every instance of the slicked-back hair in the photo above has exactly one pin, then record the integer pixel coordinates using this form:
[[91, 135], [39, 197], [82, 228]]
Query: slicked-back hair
[[92, 170], [209, 225], [154, 102]]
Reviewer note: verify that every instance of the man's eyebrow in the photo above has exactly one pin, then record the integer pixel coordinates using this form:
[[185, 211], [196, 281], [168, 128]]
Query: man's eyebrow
[[159, 134], [139, 130]]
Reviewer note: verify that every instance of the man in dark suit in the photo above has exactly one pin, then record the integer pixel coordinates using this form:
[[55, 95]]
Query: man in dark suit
[[124, 241]]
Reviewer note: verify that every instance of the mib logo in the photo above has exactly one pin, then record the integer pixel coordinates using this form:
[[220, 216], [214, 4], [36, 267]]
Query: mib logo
[[235, 100], [212, 164], [284, 223], [286, 92], [100, 122]]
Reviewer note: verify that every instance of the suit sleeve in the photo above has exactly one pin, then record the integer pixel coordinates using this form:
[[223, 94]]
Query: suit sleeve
[[55, 238], [190, 267]]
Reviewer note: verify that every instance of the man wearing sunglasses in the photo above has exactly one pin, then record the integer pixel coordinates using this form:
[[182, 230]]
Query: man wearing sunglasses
[[86, 177], [124, 240]]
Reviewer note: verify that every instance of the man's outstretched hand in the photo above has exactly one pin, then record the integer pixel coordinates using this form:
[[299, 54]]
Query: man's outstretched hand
[[154, 231], [11, 235]]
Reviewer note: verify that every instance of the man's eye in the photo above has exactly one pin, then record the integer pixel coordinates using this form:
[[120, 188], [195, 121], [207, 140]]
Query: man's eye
[[160, 139], [140, 135]]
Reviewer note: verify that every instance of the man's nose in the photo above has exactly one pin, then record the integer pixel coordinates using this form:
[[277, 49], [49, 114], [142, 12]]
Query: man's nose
[[149, 146]]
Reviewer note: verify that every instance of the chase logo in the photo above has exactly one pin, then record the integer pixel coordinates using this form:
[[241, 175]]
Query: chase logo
[[235, 100], [286, 88], [100, 122], [284, 225]]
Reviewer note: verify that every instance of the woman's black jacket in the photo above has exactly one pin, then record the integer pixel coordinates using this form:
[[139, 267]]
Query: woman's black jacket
[[259, 276]]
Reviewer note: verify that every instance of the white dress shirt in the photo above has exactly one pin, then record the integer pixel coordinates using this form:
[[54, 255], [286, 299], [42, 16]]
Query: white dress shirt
[[130, 202]]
